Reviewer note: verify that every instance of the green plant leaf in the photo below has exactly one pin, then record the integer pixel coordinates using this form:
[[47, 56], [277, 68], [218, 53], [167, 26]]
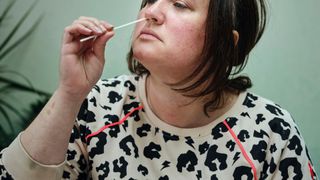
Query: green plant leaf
[[22, 87], [7, 118], [17, 118], [5, 89], [21, 39], [6, 10], [18, 25], [34, 109], [19, 75], [5, 138], [12, 108]]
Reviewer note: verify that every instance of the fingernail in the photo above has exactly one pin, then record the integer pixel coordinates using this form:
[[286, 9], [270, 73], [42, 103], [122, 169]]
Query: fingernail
[[110, 28], [98, 29]]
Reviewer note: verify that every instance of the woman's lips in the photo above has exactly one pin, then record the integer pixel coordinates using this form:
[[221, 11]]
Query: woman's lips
[[149, 35]]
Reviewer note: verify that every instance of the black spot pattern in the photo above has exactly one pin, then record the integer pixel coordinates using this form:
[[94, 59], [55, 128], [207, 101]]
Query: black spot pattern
[[230, 145], [286, 165], [241, 171], [143, 130], [168, 137], [295, 144], [120, 166], [114, 97], [124, 145], [130, 86], [152, 151], [99, 146], [203, 147], [249, 101], [139, 149], [260, 118], [258, 151], [66, 175], [274, 110], [188, 161], [213, 156], [279, 126], [93, 100], [144, 171], [243, 135], [71, 154], [4, 175], [103, 170], [164, 177], [273, 148], [97, 88], [260, 134], [128, 107], [218, 130]]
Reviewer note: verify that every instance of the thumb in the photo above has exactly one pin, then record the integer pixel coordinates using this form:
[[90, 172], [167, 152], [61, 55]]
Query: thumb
[[100, 44]]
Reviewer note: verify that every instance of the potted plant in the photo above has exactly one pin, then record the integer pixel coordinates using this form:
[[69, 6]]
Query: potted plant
[[13, 118]]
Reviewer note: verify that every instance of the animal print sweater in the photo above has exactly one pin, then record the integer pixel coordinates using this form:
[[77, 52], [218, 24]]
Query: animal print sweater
[[117, 136]]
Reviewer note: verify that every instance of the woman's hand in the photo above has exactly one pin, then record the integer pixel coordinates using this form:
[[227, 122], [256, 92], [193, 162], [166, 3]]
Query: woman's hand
[[82, 62]]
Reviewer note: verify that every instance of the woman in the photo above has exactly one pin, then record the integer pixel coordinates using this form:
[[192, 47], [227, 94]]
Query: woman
[[183, 115]]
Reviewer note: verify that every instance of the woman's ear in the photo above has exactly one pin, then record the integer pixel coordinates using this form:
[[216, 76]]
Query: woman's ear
[[235, 37]]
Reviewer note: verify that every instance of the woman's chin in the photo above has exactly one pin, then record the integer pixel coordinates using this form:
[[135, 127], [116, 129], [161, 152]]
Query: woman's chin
[[144, 54]]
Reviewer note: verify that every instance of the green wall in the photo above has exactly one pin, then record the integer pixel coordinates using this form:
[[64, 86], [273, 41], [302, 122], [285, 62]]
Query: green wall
[[284, 66]]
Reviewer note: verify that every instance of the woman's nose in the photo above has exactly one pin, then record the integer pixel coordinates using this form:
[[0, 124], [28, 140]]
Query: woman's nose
[[155, 12]]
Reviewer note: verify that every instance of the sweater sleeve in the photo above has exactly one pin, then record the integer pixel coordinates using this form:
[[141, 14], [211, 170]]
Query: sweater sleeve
[[15, 163], [76, 166], [295, 161]]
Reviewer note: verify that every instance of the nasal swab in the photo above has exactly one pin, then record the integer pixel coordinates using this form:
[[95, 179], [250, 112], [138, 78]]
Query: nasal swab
[[133, 22], [118, 27]]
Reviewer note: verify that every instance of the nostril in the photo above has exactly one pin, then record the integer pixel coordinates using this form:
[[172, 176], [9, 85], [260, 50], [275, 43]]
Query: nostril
[[154, 15], [152, 19]]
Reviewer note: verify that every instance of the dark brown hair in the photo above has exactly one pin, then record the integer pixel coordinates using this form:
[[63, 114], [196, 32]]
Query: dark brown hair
[[221, 59]]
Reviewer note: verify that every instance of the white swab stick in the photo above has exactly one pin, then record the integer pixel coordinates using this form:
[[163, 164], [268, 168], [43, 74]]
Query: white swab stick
[[118, 27], [133, 22], [87, 38]]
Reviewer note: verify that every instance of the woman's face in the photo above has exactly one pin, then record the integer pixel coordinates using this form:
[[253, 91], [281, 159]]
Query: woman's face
[[170, 42]]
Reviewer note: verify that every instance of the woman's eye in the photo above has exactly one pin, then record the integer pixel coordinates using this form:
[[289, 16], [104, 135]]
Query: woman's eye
[[180, 5], [176, 3], [150, 1]]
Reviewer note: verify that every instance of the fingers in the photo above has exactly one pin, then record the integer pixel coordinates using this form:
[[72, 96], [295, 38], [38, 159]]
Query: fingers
[[85, 26], [95, 22], [75, 30], [100, 43]]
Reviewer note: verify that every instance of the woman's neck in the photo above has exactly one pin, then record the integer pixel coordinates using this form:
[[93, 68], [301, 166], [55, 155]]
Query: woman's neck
[[178, 110]]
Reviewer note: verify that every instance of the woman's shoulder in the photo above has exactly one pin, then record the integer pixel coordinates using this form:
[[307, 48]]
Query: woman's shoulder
[[258, 104], [266, 114], [270, 134]]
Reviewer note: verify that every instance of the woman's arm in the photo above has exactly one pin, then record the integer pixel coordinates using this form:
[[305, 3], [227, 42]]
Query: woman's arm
[[81, 64]]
